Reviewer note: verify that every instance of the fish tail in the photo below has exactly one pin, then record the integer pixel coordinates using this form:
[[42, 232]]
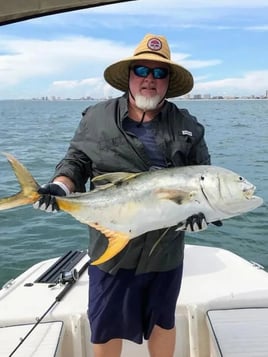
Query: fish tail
[[29, 186]]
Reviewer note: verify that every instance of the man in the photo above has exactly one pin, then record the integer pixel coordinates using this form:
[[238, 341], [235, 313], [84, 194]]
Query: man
[[133, 295]]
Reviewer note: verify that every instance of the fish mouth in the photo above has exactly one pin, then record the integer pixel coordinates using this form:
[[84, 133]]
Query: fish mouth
[[249, 192]]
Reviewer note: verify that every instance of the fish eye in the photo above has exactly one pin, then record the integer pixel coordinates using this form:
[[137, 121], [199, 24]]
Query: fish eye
[[241, 178]]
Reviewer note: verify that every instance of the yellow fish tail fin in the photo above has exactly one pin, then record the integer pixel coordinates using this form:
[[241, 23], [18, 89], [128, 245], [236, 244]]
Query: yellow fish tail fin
[[117, 242], [29, 187]]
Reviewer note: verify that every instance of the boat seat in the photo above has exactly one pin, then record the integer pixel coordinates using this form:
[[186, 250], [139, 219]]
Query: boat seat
[[43, 341], [241, 332]]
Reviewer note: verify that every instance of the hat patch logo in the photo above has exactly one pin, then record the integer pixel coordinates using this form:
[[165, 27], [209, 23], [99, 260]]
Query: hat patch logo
[[154, 44]]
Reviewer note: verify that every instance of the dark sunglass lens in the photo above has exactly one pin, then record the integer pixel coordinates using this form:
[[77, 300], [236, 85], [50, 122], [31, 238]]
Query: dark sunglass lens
[[160, 73], [141, 71]]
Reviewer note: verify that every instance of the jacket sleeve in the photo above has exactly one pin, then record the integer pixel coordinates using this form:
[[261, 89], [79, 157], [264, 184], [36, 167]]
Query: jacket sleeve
[[76, 164], [198, 154]]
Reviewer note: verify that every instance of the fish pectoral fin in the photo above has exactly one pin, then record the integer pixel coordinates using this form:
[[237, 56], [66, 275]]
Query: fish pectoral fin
[[116, 242], [115, 178], [177, 196]]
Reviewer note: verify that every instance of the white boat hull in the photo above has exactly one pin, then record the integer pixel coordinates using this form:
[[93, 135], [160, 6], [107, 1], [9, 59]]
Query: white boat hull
[[214, 280]]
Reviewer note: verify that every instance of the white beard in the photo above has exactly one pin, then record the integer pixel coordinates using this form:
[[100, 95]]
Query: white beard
[[147, 103]]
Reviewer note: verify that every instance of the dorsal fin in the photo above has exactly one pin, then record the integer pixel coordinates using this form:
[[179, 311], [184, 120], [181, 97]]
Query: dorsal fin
[[116, 178]]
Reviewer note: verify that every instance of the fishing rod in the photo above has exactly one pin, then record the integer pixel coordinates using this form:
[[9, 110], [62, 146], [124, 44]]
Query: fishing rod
[[68, 278]]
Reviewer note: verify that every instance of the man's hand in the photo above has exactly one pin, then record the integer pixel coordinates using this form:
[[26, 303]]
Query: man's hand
[[196, 223], [47, 201]]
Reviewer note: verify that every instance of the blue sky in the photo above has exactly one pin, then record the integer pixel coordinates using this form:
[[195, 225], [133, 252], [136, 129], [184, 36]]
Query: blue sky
[[224, 43]]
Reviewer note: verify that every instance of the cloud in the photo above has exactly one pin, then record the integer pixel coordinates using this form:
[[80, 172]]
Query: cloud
[[249, 84], [219, 15], [88, 87], [257, 28], [254, 82], [71, 64], [197, 64], [28, 58], [45, 59]]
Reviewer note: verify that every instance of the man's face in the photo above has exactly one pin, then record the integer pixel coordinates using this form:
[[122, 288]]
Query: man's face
[[148, 89]]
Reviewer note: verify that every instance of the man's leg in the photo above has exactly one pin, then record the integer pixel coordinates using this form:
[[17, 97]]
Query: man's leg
[[111, 348], [162, 342]]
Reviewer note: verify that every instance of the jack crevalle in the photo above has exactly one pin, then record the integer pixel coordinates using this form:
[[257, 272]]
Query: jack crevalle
[[135, 203]]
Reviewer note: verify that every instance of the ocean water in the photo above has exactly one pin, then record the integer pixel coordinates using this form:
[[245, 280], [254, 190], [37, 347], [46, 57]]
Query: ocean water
[[38, 134]]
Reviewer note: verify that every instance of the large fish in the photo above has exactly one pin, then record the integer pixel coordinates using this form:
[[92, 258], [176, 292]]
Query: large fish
[[132, 204]]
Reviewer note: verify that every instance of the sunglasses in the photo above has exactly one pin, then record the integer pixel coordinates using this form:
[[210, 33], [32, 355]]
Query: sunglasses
[[143, 71]]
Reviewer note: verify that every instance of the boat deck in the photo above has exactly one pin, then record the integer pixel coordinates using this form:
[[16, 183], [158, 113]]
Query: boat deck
[[217, 284]]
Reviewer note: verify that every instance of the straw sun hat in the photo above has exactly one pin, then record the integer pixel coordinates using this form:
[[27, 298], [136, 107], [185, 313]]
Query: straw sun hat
[[154, 48]]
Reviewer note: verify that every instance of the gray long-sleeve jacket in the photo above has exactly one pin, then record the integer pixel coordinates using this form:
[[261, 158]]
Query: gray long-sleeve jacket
[[100, 145]]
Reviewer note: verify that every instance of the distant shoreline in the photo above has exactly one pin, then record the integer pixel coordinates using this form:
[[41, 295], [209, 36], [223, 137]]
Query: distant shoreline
[[101, 100]]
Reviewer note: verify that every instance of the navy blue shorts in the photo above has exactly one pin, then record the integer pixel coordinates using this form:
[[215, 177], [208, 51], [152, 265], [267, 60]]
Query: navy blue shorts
[[127, 306]]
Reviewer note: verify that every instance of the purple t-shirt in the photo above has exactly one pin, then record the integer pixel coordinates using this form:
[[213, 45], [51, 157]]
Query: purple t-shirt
[[145, 132]]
